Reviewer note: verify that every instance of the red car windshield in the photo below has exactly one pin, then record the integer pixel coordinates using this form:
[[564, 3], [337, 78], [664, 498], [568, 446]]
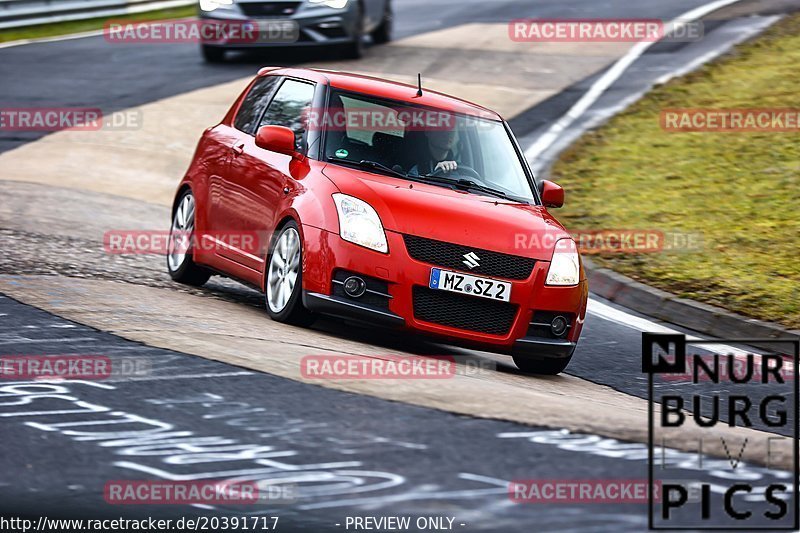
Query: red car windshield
[[417, 141]]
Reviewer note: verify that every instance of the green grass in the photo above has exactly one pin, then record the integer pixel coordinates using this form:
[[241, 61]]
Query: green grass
[[741, 191], [78, 26]]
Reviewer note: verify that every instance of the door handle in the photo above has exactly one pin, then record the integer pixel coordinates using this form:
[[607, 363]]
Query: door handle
[[238, 148]]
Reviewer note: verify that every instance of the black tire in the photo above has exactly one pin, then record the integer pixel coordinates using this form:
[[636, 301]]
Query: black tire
[[383, 33], [187, 272], [355, 48], [546, 367], [294, 312], [213, 54]]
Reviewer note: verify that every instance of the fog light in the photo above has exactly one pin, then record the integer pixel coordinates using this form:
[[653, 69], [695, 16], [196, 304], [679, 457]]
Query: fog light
[[559, 326], [355, 287]]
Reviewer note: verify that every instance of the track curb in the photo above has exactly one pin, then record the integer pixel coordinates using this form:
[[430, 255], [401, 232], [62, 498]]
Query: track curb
[[700, 317]]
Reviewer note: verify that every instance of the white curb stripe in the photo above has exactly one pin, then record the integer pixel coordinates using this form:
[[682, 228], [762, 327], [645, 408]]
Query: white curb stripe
[[618, 316], [612, 75]]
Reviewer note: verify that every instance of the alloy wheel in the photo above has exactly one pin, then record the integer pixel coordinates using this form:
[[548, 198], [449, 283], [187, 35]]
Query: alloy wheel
[[284, 267], [181, 233]]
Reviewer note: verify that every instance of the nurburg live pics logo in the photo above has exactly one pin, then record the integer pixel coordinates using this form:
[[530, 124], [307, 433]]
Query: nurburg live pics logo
[[764, 401]]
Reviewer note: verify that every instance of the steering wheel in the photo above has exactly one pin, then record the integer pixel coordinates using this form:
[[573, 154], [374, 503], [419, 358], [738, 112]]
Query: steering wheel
[[464, 170]]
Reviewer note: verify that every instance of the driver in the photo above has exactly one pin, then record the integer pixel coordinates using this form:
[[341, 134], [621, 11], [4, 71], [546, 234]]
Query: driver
[[437, 154]]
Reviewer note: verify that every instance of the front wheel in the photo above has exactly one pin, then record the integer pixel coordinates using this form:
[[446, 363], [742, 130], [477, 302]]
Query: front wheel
[[355, 48], [284, 279], [180, 260], [212, 54], [383, 33], [547, 367]]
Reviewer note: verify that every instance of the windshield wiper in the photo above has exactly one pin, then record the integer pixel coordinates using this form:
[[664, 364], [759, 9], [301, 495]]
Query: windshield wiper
[[468, 185], [372, 165], [463, 184]]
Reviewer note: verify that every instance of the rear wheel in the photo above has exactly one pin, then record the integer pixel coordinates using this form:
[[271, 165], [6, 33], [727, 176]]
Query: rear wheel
[[547, 367], [284, 279], [212, 54], [180, 260]]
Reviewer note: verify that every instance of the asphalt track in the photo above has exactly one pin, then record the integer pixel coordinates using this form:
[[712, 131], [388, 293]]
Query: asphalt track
[[358, 453], [89, 72], [339, 454]]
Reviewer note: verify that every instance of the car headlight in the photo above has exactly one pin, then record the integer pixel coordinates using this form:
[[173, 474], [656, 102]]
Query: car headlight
[[335, 4], [565, 269], [215, 5], [359, 223]]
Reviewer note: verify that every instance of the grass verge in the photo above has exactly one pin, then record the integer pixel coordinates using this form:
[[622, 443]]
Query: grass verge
[[78, 26], [739, 191]]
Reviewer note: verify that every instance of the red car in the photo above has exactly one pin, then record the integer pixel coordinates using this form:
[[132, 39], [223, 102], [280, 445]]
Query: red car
[[385, 203]]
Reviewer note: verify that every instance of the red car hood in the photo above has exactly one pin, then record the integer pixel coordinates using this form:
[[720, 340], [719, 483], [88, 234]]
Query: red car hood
[[453, 216]]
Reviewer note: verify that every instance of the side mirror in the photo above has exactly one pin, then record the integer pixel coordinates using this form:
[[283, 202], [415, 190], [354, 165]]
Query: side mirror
[[552, 194], [277, 139]]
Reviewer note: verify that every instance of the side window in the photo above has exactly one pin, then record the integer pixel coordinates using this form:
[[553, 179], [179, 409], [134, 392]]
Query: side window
[[254, 103], [287, 109]]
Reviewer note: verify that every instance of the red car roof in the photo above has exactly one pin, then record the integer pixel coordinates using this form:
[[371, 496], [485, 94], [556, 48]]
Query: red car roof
[[388, 89]]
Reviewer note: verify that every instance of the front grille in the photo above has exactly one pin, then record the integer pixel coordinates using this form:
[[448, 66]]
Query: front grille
[[448, 255], [463, 312], [269, 9]]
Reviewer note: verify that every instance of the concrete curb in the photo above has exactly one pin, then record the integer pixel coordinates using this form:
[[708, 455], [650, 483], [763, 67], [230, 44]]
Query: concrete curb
[[699, 317]]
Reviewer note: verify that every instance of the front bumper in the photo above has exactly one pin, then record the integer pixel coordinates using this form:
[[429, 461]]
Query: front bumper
[[327, 256], [544, 348], [311, 26], [345, 308]]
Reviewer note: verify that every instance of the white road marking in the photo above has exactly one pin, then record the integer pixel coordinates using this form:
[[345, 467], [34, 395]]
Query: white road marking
[[612, 75], [705, 58], [495, 487], [579, 108], [46, 341], [634, 451], [642, 324], [185, 376]]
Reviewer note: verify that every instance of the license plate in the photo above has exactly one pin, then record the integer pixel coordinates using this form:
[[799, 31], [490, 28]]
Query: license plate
[[445, 280]]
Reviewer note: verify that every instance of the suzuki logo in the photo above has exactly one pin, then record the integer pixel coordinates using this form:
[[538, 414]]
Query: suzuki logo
[[471, 260]]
